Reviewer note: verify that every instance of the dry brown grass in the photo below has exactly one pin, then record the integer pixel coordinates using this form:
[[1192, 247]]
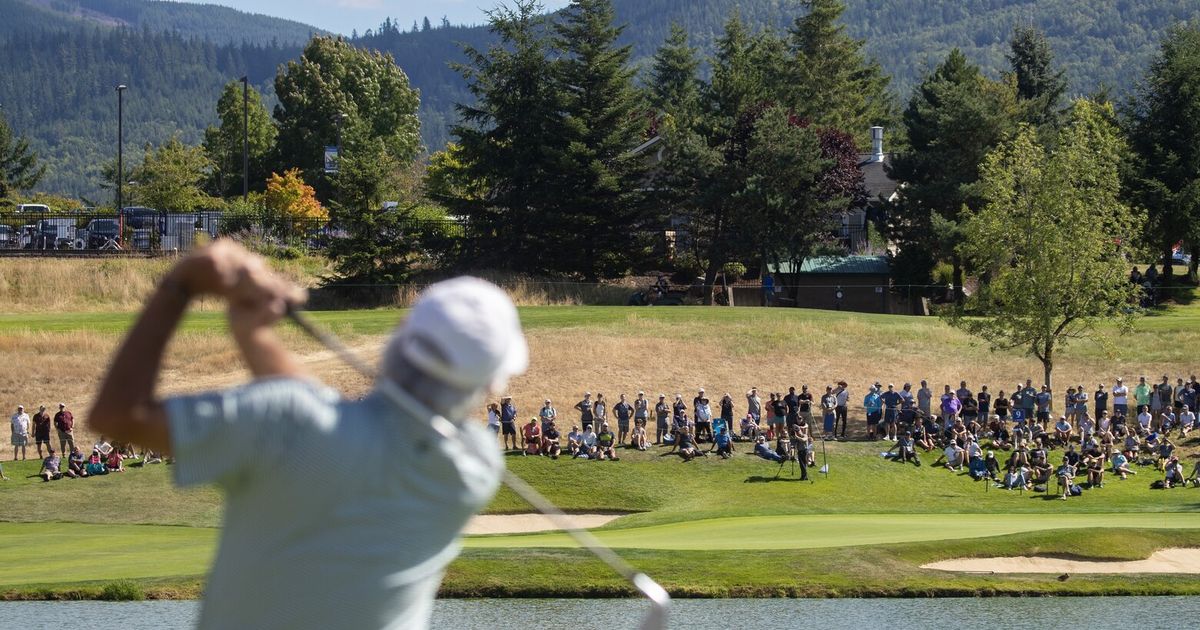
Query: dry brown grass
[[528, 291]]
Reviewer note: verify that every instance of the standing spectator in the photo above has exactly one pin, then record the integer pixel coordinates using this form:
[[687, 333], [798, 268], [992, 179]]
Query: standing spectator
[[1100, 400], [623, 411], [792, 400], [702, 412], [873, 404], [1069, 404], [891, 409], [1120, 399], [768, 288], [20, 431], [778, 410], [843, 407], [1081, 402], [1187, 397], [805, 404], [727, 412], [754, 404], [908, 404], [679, 410], [600, 410], [41, 431], [493, 420], [1000, 407], [985, 402], [925, 399], [585, 411], [950, 408], [662, 411], [963, 392], [1043, 402], [548, 414], [641, 410], [64, 421], [1142, 393], [1163, 395], [829, 409], [1029, 400], [1177, 394], [508, 423]]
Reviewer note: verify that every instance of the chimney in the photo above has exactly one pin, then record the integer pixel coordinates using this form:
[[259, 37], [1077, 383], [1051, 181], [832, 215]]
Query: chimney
[[877, 144]]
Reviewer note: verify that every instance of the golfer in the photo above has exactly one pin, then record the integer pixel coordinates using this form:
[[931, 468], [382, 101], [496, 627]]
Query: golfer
[[314, 538]]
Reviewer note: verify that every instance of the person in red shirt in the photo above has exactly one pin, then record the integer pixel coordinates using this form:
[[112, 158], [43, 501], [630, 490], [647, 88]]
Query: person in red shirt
[[41, 430], [65, 423], [533, 437]]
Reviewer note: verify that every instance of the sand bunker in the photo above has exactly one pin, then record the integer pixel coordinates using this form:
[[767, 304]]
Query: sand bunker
[[1163, 561], [526, 523]]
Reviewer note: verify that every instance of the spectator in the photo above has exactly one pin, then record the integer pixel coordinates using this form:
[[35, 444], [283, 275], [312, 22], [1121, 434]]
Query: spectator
[[829, 410], [20, 432], [641, 410], [952, 456], [963, 392], [1001, 406], [76, 464], [64, 421], [906, 449], [606, 444], [950, 408], [921, 437], [95, 464], [508, 423], [778, 410], [1120, 465], [574, 441], [805, 404], [2, 475], [41, 431], [1043, 400], [984, 400], [1062, 431], [1069, 404], [50, 466], [991, 467], [891, 411], [1187, 421], [548, 414], [1093, 463], [799, 450], [624, 412], [587, 444], [600, 410], [1028, 397], [924, 399], [1120, 395], [763, 450], [908, 407], [1164, 395], [585, 411], [1099, 400], [493, 418], [531, 436], [841, 410], [1066, 477], [970, 410], [1144, 418], [550, 438], [727, 412], [687, 446], [754, 404], [723, 443], [1173, 473], [1142, 393], [1195, 476], [113, 462], [873, 405], [679, 410], [662, 412], [1087, 426], [702, 412], [638, 440], [792, 400], [749, 428]]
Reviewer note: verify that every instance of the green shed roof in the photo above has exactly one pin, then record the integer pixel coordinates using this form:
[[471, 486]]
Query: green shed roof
[[877, 265]]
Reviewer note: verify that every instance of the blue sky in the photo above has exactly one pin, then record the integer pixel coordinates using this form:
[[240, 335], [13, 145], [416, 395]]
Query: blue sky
[[342, 16]]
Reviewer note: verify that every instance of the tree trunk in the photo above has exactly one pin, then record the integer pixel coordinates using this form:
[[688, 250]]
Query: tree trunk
[[1048, 365], [1167, 264], [957, 280], [710, 279], [1192, 264]]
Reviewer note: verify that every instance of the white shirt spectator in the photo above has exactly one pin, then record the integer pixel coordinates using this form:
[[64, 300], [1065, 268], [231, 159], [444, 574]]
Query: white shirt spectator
[[1144, 419], [1187, 418], [20, 424], [1120, 395]]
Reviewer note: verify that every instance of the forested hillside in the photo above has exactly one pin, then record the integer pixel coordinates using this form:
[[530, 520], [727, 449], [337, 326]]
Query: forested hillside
[[62, 58]]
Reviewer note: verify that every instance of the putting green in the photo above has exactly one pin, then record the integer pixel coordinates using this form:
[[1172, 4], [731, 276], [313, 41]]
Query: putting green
[[837, 530]]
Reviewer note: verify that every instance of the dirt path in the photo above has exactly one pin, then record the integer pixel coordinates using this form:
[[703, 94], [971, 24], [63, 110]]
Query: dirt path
[[1162, 561], [526, 523]]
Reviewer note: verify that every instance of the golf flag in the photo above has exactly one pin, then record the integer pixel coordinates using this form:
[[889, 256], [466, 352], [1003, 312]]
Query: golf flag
[[825, 469]]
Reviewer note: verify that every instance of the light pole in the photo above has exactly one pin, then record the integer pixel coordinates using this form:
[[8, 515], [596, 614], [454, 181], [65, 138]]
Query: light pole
[[120, 144], [245, 138]]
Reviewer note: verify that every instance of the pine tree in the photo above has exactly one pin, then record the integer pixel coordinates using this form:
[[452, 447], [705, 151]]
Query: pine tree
[[831, 81], [1040, 87], [223, 143], [19, 169], [954, 118], [674, 89], [599, 198]]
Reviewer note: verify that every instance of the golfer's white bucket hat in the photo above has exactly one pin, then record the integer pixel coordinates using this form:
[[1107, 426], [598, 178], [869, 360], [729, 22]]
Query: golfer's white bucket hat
[[464, 332]]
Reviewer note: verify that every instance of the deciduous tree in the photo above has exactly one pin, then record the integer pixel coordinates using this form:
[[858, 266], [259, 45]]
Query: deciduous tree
[[223, 143], [171, 176]]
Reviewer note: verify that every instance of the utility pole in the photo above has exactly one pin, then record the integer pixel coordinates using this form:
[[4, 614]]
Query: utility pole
[[245, 138], [120, 146]]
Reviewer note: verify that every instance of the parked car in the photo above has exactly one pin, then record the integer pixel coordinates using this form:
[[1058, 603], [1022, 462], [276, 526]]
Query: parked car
[[33, 208], [99, 234], [7, 237]]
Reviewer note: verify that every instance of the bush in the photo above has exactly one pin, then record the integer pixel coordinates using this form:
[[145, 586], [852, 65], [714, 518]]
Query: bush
[[121, 591]]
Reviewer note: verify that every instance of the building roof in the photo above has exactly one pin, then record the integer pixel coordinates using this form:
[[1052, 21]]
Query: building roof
[[828, 265], [875, 177]]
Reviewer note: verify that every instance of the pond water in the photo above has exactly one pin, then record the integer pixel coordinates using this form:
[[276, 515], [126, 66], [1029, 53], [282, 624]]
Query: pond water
[[1144, 613]]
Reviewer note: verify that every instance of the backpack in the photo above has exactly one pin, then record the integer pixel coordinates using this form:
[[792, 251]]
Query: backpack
[[1076, 490]]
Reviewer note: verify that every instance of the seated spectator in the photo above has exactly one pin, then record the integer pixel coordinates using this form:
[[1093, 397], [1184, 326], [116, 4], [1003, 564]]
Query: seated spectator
[[606, 443], [587, 444], [1066, 477], [953, 456], [749, 428], [102, 446], [920, 437], [1087, 426], [1195, 478], [723, 443], [95, 464], [991, 466], [1093, 463], [1166, 448], [1017, 477], [906, 448], [1187, 421], [550, 436], [574, 441], [1173, 473], [113, 463], [1001, 436], [763, 450], [50, 466], [1120, 466], [531, 433], [687, 446], [1062, 431], [75, 463], [638, 439]]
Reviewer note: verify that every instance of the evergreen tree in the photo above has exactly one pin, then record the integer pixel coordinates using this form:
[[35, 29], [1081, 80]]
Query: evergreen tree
[[1163, 126], [674, 89], [1040, 87], [831, 81], [336, 89], [510, 144], [223, 143], [19, 168], [954, 118], [425, 25], [599, 200]]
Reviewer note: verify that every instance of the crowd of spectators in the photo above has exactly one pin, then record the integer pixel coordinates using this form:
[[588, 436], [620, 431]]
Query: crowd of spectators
[[105, 458], [1006, 438]]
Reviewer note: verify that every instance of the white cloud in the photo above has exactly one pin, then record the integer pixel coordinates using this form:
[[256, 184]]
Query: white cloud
[[360, 4]]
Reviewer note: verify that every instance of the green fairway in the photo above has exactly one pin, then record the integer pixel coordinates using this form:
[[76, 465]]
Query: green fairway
[[841, 530]]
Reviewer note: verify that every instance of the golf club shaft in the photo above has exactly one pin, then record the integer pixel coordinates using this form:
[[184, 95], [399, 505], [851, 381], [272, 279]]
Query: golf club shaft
[[657, 595]]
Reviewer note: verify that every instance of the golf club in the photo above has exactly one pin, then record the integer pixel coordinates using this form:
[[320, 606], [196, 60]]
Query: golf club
[[660, 600]]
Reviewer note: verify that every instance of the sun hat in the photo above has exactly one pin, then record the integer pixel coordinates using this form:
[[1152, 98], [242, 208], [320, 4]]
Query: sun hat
[[464, 332]]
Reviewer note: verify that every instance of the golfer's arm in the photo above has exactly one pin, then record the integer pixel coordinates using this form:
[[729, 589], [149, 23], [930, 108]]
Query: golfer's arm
[[264, 353], [126, 407]]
